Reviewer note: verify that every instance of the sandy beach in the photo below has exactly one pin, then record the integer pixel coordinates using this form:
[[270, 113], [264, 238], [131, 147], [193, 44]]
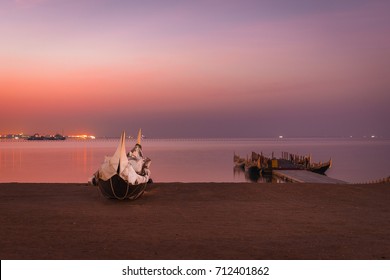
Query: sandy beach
[[196, 221]]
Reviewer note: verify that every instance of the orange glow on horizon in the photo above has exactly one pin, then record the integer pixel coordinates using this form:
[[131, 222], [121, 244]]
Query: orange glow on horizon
[[82, 136]]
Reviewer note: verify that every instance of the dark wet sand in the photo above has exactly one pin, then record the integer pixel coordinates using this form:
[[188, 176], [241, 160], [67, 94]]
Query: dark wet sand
[[196, 221]]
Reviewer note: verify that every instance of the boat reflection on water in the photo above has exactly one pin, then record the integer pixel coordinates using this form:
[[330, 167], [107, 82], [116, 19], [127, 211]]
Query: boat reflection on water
[[254, 175]]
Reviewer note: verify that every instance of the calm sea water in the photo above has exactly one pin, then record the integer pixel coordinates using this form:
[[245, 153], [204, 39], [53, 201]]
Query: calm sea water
[[187, 160]]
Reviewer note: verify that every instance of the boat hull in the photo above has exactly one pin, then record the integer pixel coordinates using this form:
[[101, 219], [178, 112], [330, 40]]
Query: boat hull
[[117, 188], [319, 170]]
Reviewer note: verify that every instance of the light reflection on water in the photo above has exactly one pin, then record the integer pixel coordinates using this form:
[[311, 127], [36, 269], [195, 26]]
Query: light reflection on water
[[187, 160]]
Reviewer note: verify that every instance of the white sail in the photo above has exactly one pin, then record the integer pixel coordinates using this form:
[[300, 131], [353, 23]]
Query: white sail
[[119, 159], [115, 164], [129, 169]]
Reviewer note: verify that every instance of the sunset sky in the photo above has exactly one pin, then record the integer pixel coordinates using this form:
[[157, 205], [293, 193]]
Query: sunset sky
[[195, 68]]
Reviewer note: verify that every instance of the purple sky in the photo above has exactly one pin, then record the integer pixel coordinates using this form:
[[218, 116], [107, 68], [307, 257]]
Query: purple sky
[[195, 68]]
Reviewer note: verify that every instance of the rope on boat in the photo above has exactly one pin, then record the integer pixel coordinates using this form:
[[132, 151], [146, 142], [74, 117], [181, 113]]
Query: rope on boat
[[113, 192], [140, 188]]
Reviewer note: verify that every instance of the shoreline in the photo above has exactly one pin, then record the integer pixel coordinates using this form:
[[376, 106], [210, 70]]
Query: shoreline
[[196, 221]]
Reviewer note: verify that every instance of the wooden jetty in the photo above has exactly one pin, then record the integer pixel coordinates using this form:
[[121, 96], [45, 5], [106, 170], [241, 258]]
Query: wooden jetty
[[290, 167], [304, 176]]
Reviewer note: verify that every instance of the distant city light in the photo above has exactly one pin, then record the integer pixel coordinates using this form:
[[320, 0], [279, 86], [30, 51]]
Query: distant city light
[[280, 136], [82, 136]]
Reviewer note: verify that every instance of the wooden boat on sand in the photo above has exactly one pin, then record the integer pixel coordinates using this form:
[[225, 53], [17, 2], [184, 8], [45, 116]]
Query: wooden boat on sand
[[123, 176]]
